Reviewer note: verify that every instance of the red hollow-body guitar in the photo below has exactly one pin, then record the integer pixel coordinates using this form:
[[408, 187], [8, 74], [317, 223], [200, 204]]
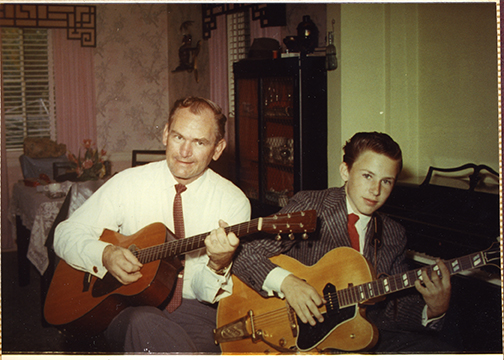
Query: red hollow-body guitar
[[79, 303]]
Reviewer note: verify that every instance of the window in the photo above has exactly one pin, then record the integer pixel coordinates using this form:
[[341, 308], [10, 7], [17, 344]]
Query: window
[[28, 85], [238, 43]]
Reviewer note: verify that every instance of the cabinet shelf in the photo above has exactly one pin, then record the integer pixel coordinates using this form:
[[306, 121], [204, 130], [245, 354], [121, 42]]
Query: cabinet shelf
[[284, 120], [281, 167]]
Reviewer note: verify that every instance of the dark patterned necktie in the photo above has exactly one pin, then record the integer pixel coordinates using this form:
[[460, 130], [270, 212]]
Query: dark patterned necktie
[[352, 231], [178, 222]]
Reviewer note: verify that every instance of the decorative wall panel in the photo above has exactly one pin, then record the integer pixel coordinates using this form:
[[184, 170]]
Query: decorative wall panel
[[268, 14], [79, 20]]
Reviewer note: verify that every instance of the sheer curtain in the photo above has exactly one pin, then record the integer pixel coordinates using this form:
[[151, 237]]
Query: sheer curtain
[[75, 93], [217, 45], [218, 59]]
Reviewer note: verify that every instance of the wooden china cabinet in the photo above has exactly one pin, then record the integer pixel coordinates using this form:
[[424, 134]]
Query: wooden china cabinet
[[281, 129]]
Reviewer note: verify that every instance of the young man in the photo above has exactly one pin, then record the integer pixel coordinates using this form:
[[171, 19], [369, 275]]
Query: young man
[[137, 197], [371, 164]]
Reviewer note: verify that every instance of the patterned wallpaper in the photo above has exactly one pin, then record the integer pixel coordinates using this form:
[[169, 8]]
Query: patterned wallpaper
[[137, 50], [133, 71]]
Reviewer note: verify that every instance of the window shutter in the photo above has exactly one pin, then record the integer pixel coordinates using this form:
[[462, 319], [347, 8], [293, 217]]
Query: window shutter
[[238, 39], [28, 85]]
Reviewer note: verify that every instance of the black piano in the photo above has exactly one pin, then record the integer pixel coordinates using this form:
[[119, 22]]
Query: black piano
[[452, 221]]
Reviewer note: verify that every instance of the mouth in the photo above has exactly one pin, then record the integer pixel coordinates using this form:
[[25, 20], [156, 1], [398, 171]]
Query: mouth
[[370, 202], [184, 162]]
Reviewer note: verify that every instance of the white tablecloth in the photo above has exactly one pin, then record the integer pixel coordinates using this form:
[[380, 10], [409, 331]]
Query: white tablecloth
[[38, 211]]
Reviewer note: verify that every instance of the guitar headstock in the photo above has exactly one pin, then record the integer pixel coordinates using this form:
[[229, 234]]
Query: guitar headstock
[[492, 255], [298, 222]]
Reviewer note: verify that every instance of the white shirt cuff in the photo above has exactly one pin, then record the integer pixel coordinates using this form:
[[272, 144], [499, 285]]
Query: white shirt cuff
[[426, 321], [94, 264], [274, 280]]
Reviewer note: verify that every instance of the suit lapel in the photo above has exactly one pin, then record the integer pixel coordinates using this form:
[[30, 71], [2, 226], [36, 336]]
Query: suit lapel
[[338, 211]]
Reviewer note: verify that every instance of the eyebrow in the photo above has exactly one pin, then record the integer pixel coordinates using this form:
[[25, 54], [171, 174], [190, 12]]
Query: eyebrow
[[388, 177], [203, 140]]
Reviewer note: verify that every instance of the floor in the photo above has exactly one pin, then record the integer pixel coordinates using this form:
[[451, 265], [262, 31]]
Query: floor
[[473, 325], [23, 330]]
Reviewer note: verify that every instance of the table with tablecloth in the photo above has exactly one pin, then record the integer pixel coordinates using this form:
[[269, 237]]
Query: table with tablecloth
[[36, 210]]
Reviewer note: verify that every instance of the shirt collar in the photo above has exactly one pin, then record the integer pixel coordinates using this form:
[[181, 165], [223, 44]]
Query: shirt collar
[[363, 221], [196, 184]]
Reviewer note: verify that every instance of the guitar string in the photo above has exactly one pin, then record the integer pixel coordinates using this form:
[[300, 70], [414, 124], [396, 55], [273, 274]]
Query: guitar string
[[398, 282], [271, 316], [282, 314], [171, 248]]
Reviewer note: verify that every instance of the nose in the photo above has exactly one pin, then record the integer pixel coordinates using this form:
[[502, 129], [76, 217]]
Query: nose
[[185, 149], [375, 188]]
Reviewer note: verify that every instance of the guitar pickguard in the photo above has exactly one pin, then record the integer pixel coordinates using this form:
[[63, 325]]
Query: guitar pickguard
[[311, 336]]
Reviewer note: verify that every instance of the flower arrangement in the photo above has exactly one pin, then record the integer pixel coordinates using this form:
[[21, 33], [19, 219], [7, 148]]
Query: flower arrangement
[[92, 165]]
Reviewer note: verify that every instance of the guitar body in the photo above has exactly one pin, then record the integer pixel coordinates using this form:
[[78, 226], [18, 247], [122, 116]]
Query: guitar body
[[346, 330], [80, 303]]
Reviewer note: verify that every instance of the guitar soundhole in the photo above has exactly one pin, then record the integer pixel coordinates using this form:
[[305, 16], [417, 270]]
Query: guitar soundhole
[[105, 286], [310, 336]]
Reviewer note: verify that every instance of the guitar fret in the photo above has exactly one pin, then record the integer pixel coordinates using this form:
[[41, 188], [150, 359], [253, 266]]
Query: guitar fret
[[351, 296], [386, 286], [179, 246], [355, 293], [371, 291], [342, 297], [359, 293]]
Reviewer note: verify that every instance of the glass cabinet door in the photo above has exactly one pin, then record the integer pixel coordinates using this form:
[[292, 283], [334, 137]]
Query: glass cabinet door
[[280, 129], [247, 128], [278, 140]]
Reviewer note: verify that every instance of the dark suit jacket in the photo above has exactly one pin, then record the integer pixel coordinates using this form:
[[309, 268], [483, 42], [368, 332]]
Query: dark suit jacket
[[401, 310]]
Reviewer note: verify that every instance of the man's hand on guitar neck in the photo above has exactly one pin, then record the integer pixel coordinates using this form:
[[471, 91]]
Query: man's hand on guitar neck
[[220, 247], [303, 298], [122, 264]]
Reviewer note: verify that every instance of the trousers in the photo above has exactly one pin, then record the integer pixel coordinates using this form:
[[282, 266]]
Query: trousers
[[146, 329]]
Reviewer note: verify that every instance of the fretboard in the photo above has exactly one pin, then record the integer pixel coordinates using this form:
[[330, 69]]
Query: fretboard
[[383, 286], [182, 246]]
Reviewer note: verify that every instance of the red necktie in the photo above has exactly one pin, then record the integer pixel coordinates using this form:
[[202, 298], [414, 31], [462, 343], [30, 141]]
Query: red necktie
[[352, 231], [178, 222]]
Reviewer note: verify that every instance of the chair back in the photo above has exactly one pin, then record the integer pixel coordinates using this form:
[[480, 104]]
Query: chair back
[[142, 157]]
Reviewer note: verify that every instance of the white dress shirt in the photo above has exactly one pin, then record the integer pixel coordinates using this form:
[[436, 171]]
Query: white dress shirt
[[137, 197]]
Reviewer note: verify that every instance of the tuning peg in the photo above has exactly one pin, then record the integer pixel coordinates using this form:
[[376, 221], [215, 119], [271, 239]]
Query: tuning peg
[[278, 237], [291, 236], [304, 236]]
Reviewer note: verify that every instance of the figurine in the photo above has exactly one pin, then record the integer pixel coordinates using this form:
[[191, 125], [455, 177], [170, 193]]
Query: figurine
[[188, 54]]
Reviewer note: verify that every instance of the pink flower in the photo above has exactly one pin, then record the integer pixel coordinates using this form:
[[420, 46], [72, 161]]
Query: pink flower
[[87, 143], [87, 164]]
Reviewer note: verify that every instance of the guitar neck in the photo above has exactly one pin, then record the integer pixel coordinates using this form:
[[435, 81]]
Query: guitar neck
[[363, 292], [181, 246]]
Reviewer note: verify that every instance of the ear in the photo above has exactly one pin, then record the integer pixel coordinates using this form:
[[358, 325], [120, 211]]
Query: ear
[[165, 135], [344, 172], [219, 148]]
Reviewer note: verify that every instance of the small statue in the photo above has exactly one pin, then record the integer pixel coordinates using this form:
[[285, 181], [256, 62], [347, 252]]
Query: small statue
[[188, 55]]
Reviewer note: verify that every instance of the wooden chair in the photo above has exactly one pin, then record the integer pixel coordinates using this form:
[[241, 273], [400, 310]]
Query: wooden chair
[[142, 157]]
